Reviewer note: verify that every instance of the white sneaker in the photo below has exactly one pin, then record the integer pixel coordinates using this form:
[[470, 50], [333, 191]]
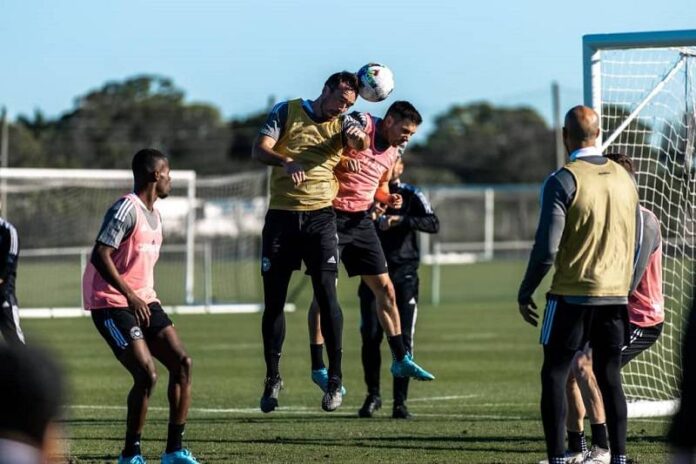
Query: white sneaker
[[571, 457], [597, 455]]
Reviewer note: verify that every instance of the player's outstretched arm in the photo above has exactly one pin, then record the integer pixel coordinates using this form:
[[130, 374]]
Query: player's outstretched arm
[[263, 152], [356, 138], [104, 264]]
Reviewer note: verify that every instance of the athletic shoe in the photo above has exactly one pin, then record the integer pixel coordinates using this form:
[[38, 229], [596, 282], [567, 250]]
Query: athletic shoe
[[372, 403], [400, 411], [571, 457], [182, 456], [321, 378], [333, 397], [271, 389], [407, 368], [137, 459], [597, 455]]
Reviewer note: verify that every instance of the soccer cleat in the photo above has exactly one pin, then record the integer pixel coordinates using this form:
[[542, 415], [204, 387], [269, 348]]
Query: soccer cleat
[[400, 411], [271, 389], [182, 456], [372, 403], [137, 459], [597, 455], [333, 397], [321, 378], [407, 368], [571, 457]]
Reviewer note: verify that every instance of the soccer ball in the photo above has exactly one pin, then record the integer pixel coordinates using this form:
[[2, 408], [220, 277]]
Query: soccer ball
[[376, 82]]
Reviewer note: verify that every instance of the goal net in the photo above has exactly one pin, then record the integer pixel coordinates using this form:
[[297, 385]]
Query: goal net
[[212, 229], [643, 87]]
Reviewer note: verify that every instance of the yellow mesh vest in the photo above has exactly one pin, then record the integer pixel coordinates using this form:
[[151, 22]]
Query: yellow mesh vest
[[317, 147], [595, 256]]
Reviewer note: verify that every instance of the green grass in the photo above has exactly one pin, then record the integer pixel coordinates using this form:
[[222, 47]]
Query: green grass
[[483, 407]]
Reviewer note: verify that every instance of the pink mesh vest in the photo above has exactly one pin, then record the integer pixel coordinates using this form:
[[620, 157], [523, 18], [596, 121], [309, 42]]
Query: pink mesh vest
[[135, 260], [356, 190], [646, 302]]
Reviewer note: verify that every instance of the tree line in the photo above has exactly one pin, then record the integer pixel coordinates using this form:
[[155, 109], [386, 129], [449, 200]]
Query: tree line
[[470, 143]]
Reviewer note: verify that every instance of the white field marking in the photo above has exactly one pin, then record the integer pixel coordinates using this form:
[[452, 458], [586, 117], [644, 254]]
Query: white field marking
[[290, 410], [442, 398]]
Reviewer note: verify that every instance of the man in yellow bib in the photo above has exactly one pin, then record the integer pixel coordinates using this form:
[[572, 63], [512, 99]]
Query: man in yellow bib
[[586, 229], [303, 141]]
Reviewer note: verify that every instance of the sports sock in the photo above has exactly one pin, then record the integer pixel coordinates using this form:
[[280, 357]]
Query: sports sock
[[599, 435], [576, 442], [272, 364], [317, 354], [132, 446], [174, 436], [618, 459], [396, 343]]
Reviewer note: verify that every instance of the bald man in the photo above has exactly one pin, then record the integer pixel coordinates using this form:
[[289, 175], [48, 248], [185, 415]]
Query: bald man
[[587, 229]]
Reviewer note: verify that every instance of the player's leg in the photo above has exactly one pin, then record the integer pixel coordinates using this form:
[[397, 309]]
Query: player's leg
[[9, 320], [406, 288], [320, 252], [280, 256], [608, 334], [166, 346], [371, 334], [561, 336], [587, 382], [125, 338], [575, 418]]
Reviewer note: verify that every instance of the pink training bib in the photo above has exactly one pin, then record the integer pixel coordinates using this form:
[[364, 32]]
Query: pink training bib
[[356, 190], [135, 260], [646, 302]]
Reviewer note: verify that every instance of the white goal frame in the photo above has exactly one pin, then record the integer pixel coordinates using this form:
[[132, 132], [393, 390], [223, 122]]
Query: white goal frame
[[593, 46]]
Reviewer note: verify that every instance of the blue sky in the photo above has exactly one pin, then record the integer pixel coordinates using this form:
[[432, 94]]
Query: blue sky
[[234, 54]]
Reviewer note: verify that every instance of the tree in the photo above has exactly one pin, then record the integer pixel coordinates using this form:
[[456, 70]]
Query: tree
[[481, 143]]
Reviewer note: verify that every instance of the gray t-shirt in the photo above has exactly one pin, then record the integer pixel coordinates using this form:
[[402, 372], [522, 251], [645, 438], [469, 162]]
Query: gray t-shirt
[[278, 117], [120, 220]]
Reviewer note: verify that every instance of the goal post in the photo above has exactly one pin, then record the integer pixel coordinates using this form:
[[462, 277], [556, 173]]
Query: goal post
[[643, 87], [209, 259]]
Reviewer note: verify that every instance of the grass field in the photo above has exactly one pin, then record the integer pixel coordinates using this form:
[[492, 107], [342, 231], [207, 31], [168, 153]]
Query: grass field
[[483, 407]]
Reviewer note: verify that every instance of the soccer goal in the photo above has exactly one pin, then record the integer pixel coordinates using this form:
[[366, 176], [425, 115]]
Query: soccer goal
[[643, 86], [209, 260]]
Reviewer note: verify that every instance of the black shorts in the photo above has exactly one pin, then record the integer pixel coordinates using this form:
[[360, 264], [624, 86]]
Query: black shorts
[[119, 326], [640, 339], [290, 237], [358, 244], [570, 326]]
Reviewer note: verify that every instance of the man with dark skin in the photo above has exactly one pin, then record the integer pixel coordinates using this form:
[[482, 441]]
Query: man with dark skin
[[118, 289], [586, 229]]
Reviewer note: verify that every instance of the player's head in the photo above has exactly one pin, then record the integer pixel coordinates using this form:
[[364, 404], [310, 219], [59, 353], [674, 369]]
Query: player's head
[[151, 166], [581, 128], [31, 397], [623, 160], [400, 123], [398, 169], [339, 94]]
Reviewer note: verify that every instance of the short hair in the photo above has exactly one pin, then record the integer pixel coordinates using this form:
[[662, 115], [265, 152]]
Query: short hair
[[623, 160], [404, 110], [343, 77], [145, 162], [31, 392]]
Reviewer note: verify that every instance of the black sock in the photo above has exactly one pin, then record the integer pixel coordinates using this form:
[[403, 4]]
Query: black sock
[[576, 442], [396, 343], [272, 364], [132, 445], [317, 354], [174, 437], [599, 435]]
